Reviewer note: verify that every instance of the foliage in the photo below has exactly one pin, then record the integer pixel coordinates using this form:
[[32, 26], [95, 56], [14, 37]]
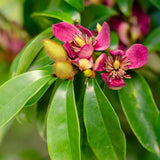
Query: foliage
[[79, 117]]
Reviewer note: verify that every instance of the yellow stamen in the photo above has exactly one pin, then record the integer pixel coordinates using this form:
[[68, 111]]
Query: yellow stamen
[[99, 27], [79, 41], [116, 64]]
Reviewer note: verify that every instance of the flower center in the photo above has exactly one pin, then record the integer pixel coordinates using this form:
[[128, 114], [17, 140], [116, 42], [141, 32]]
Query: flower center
[[79, 41], [116, 64]]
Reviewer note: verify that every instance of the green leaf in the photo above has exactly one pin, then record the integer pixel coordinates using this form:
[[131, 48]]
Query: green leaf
[[158, 127], [125, 6], [141, 111], [41, 60], [156, 3], [114, 40], [78, 4], [96, 13], [152, 41], [59, 9], [63, 133], [17, 91], [31, 50], [80, 87], [14, 65], [41, 112], [40, 93], [106, 141]]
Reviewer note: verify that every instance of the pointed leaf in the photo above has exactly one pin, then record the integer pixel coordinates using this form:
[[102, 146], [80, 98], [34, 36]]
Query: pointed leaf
[[63, 134], [59, 9], [80, 87], [152, 41], [96, 13], [79, 4], [31, 50], [106, 141], [114, 40], [125, 6], [17, 91], [141, 111], [156, 3], [40, 93]]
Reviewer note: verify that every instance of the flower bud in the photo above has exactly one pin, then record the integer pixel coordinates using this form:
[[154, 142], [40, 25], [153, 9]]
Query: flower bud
[[54, 50], [63, 69], [84, 64]]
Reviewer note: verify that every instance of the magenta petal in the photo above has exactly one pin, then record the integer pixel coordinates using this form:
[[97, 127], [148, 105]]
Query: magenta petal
[[110, 3], [69, 49], [115, 22], [142, 18], [91, 60], [137, 55], [86, 51], [116, 83], [100, 63], [103, 38], [105, 77], [84, 30], [76, 61], [117, 52], [64, 31], [123, 30]]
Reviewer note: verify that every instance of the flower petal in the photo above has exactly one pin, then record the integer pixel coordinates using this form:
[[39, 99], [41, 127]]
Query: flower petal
[[113, 83], [117, 52], [105, 77], [64, 31], [142, 18], [116, 83], [115, 22], [123, 30], [137, 55], [86, 51], [84, 30], [69, 49], [102, 41], [110, 3], [100, 63]]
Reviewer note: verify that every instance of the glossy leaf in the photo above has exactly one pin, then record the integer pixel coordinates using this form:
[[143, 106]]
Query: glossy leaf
[[106, 141], [63, 133], [125, 6], [141, 111], [114, 40], [152, 41], [17, 91], [41, 112], [96, 13], [40, 93], [59, 9], [156, 3], [158, 127], [80, 87], [41, 60], [31, 50], [79, 4]]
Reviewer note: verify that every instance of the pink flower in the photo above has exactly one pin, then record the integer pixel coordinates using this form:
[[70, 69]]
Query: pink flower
[[133, 29], [117, 64], [80, 42]]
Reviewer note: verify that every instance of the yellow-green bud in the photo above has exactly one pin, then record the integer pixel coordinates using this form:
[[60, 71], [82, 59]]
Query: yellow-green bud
[[54, 50], [63, 69]]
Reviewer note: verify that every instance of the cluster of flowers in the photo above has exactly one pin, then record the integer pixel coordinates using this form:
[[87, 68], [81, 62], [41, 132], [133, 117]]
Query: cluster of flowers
[[79, 54]]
